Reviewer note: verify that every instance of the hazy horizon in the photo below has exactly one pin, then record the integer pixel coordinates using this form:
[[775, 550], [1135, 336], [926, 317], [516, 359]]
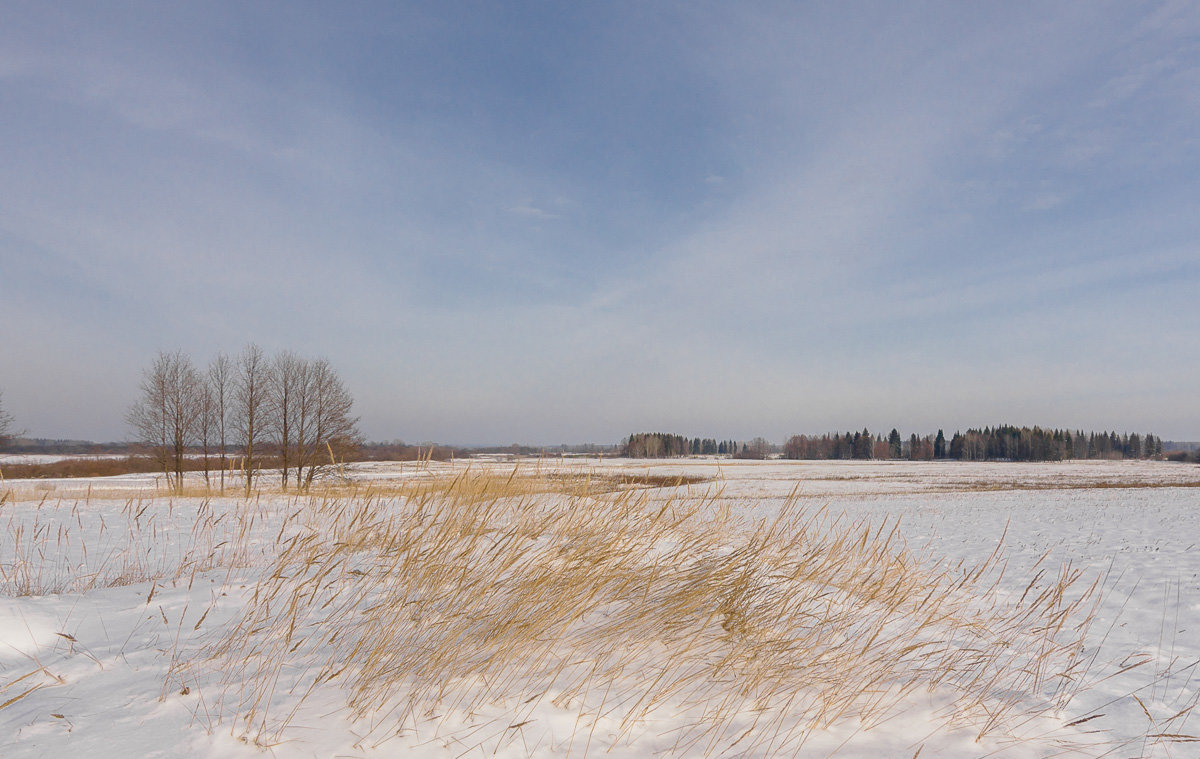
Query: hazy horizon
[[547, 224], [879, 433]]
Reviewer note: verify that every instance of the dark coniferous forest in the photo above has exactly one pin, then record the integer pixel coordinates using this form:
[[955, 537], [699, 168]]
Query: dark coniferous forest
[[1001, 443]]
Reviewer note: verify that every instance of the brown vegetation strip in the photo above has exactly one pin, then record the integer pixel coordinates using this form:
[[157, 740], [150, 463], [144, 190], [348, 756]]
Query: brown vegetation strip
[[110, 467]]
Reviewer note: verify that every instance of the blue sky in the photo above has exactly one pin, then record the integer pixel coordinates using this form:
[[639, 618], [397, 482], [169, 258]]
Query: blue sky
[[563, 222]]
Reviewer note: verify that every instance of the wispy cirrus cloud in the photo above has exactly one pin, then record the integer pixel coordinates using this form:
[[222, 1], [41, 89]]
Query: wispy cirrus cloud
[[711, 218]]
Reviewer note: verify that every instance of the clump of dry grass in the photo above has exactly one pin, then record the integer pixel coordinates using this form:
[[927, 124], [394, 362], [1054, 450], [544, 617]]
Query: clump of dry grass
[[483, 595], [67, 546]]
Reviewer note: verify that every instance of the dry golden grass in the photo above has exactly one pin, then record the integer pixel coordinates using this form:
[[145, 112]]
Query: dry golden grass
[[46, 551], [480, 599], [447, 599]]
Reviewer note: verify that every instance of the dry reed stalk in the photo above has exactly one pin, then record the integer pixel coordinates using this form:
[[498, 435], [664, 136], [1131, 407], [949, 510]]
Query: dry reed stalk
[[60, 546], [459, 596], [437, 599]]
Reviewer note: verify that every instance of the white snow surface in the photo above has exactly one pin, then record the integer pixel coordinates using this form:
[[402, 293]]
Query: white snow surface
[[87, 645], [52, 458]]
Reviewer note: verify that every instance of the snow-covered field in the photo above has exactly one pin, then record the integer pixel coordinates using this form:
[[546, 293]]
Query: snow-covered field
[[51, 458], [136, 624]]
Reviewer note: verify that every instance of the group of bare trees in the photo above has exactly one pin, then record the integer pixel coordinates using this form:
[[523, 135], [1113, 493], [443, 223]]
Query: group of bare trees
[[249, 409]]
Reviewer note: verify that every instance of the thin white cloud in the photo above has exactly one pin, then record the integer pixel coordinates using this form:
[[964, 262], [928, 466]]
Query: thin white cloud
[[532, 212], [840, 190]]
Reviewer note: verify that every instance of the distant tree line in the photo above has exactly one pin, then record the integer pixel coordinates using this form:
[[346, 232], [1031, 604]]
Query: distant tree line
[[398, 450], [659, 445], [60, 446], [1036, 444], [854, 445], [251, 408], [1001, 443]]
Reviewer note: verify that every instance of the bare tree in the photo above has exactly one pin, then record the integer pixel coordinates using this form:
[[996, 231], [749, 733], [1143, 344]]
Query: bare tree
[[333, 431], [220, 388], [206, 422], [148, 416], [185, 405], [250, 394], [6, 422], [287, 383], [304, 417], [166, 417]]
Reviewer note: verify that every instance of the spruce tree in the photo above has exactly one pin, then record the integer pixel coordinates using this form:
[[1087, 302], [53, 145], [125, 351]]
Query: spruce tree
[[894, 444]]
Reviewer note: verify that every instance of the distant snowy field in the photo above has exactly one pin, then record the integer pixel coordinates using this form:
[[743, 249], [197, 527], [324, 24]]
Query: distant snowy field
[[52, 458], [87, 641]]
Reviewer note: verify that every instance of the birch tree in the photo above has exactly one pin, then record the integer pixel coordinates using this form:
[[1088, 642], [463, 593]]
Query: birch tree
[[220, 389], [205, 422], [250, 393], [288, 379], [334, 430], [166, 416]]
